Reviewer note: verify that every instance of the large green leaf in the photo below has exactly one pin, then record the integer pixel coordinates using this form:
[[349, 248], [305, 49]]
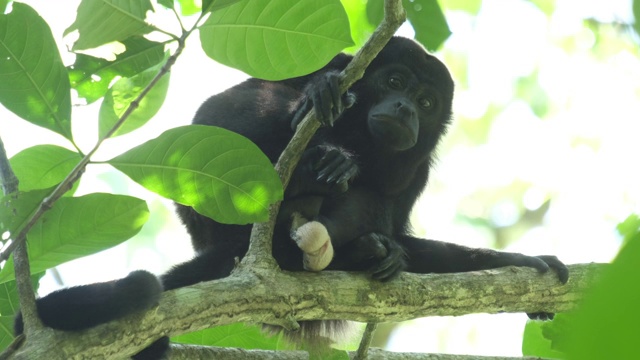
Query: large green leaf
[[91, 76], [428, 21], [276, 39], [103, 21], [166, 3], [43, 166], [189, 7], [123, 92], [16, 209], [33, 81], [426, 17], [80, 226], [605, 325], [6, 332], [3, 5], [213, 5], [9, 302], [219, 173], [534, 343]]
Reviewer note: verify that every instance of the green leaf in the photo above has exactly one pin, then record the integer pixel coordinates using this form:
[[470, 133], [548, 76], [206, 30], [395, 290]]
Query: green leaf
[[103, 21], [219, 173], [9, 306], [33, 81], [9, 302], [80, 226], [428, 21], [123, 92], [166, 3], [15, 209], [3, 5], [91, 76], [605, 324], [6, 332], [375, 11], [470, 6], [235, 335], [189, 7], [276, 40], [213, 5], [43, 166], [630, 228], [534, 343], [426, 17]]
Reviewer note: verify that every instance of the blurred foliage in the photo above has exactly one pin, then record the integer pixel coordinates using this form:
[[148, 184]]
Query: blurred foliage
[[604, 325]]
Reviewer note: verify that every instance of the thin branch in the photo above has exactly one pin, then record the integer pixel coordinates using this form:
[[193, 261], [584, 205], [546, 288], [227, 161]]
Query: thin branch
[[259, 254], [20, 258], [365, 343], [8, 179], [317, 296]]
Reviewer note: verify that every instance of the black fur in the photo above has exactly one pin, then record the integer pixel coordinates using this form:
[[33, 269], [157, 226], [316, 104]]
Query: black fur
[[359, 179], [82, 307]]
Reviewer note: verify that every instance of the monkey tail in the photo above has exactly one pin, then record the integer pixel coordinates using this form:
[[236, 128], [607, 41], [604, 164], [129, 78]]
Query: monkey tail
[[316, 334]]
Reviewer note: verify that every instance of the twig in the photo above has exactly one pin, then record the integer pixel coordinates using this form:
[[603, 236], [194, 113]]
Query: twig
[[259, 254], [365, 343], [20, 258]]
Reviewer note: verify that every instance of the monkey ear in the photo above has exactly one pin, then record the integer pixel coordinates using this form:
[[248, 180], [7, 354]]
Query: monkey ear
[[313, 239]]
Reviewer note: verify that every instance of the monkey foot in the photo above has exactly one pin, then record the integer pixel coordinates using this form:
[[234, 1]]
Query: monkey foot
[[314, 241]]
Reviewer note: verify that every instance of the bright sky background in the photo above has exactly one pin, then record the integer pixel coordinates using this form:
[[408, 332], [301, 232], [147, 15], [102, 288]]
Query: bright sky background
[[595, 98]]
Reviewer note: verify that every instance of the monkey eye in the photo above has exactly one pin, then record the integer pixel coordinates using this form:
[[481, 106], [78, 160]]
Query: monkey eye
[[426, 102], [395, 82]]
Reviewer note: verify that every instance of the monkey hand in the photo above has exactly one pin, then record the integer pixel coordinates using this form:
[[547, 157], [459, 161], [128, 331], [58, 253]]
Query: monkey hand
[[541, 263], [323, 170], [379, 254], [323, 95], [336, 168]]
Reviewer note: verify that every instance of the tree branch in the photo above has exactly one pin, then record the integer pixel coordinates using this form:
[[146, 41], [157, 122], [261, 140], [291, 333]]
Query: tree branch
[[264, 297], [192, 352], [26, 295], [259, 253], [365, 343]]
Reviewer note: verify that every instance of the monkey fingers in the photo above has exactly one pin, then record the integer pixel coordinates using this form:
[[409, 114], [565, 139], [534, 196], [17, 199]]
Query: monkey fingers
[[336, 167], [557, 265], [392, 264]]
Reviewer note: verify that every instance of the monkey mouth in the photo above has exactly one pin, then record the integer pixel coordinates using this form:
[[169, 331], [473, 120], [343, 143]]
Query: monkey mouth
[[393, 132]]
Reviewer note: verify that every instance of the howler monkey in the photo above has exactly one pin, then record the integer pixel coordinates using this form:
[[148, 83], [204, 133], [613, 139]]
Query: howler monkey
[[348, 203]]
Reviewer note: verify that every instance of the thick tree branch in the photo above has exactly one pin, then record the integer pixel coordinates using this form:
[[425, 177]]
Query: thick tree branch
[[264, 297], [190, 352], [259, 254]]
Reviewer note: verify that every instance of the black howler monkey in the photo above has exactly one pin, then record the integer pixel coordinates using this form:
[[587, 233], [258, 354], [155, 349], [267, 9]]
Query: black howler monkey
[[347, 206]]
